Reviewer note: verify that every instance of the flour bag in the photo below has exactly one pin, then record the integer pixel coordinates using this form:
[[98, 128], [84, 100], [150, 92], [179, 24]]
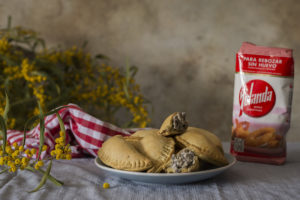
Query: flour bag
[[263, 91]]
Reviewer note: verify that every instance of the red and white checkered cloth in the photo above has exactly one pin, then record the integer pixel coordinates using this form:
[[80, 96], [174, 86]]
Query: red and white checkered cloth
[[85, 133]]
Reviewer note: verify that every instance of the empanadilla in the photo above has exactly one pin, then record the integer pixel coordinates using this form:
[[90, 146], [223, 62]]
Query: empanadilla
[[183, 161], [119, 154], [204, 144], [174, 124], [144, 132], [156, 147]]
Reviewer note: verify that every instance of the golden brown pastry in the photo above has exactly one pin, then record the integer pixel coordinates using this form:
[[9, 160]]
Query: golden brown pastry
[[204, 144], [119, 154], [174, 124], [157, 148], [134, 141], [144, 132]]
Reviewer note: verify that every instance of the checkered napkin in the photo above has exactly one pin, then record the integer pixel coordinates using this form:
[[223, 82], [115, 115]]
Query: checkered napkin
[[85, 133]]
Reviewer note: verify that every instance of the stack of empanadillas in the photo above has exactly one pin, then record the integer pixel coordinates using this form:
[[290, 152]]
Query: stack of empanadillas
[[174, 148]]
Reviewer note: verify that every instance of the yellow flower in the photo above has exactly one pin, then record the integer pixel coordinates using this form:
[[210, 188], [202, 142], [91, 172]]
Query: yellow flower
[[68, 157], [15, 145], [67, 148], [14, 155], [17, 161], [136, 100], [40, 163], [4, 45], [33, 151], [44, 148], [8, 149], [16, 152], [57, 140], [36, 166], [9, 162], [24, 165], [21, 148], [25, 160], [58, 157], [1, 161], [13, 168], [61, 133], [57, 146], [60, 141], [143, 124], [105, 185], [27, 151], [53, 153], [58, 151]]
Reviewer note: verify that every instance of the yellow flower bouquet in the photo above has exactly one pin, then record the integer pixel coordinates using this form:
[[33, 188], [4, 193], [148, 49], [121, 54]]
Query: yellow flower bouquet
[[15, 157], [30, 72]]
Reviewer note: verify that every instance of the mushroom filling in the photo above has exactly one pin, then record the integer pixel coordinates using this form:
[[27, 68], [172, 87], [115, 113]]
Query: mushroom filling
[[179, 122], [183, 159]]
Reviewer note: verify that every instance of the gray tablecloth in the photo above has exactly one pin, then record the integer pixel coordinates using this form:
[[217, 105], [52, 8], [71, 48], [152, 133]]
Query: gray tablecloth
[[83, 180]]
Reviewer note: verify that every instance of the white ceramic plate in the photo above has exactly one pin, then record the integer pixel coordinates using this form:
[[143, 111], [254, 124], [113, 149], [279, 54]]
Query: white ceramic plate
[[164, 178]]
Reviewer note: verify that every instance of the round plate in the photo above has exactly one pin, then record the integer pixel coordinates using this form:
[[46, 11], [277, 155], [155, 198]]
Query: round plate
[[167, 178]]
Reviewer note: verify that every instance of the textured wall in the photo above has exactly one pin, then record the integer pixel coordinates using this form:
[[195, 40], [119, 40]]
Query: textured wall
[[185, 49]]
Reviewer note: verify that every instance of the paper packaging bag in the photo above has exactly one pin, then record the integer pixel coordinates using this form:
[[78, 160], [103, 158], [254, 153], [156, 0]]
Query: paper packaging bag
[[263, 90]]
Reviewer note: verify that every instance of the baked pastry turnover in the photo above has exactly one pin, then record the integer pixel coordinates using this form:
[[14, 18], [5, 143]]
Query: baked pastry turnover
[[157, 148], [174, 124], [204, 144], [119, 154], [143, 133], [184, 161]]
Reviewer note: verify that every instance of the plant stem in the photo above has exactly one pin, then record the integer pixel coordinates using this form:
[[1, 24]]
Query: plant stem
[[51, 178], [4, 170]]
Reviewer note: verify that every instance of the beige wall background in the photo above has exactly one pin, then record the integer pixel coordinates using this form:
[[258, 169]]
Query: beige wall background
[[185, 50]]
